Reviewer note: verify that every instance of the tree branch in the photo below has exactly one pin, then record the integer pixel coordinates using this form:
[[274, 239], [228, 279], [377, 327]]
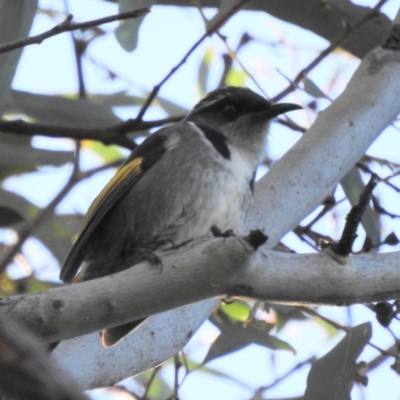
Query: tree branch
[[157, 340], [110, 135], [202, 270], [68, 26]]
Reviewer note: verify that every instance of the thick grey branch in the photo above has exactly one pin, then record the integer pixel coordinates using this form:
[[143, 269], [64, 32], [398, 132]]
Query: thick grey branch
[[158, 339], [204, 270]]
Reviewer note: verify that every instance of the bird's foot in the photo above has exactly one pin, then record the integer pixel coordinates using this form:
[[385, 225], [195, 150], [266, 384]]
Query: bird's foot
[[218, 233], [152, 258]]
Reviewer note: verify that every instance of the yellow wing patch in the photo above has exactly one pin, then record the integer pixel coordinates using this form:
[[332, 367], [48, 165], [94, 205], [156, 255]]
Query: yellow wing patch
[[131, 169], [78, 278]]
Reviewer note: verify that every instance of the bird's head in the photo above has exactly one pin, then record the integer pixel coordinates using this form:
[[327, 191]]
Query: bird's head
[[240, 114]]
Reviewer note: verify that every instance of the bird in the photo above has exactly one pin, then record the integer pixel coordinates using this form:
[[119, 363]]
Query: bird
[[179, 183]]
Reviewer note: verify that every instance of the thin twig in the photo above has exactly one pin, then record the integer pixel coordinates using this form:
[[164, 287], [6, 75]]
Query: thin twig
[[38, 220], [209, 32], [68, 26], [114, 134], [79, 50], [298, 366], [348, 30], [177, 364], [231, 53], [45, 213], [346, 329], [314, 313], [150, 381], [345, 245]]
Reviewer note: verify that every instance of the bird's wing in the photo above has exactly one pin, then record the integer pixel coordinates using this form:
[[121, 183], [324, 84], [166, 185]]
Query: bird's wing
[[141, 160]]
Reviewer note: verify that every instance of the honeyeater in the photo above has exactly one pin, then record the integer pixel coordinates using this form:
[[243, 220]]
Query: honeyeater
[[177, 184]]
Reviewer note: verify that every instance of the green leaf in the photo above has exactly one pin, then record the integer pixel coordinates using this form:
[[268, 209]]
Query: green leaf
[[312, 89], [159, 389], [60, 110], [236, 336], [235, 77], [329, 329], [16, 19], [285, 314], [18, 156], [204, 71], [127, 33], [238, 310], [332, 376], [24, 207], [107, 153], [9, 216], [117, 99]]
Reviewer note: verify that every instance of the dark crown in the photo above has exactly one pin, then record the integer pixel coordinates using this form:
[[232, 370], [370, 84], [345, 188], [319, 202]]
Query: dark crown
[[242, 99]]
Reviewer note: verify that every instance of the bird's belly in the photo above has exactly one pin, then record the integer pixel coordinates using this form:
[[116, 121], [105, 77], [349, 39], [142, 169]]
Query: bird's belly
[[224, 203]]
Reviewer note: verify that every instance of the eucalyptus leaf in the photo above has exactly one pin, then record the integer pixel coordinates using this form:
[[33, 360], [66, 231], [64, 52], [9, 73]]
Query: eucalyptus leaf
[[225, 6], [8, 216], [26, 158], [24, 207], [311, 88], [204, 70], [118, 99], [238, 310], [127, 32], [236, 77], [159, 389], [16, 19], [59, 110], [236, 336], [332, 376]]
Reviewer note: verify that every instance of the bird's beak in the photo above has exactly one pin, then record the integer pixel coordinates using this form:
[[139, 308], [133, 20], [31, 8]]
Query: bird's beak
[[277, 109]]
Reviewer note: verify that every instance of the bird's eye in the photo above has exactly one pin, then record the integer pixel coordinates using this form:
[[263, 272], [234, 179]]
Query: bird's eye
[[229, 111]]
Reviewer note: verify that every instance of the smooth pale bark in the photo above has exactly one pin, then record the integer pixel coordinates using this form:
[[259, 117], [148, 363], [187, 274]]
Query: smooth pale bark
[[204, 270]]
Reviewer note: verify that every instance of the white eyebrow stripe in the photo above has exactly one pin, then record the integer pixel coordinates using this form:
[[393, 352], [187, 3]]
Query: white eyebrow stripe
[[206, 103]]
